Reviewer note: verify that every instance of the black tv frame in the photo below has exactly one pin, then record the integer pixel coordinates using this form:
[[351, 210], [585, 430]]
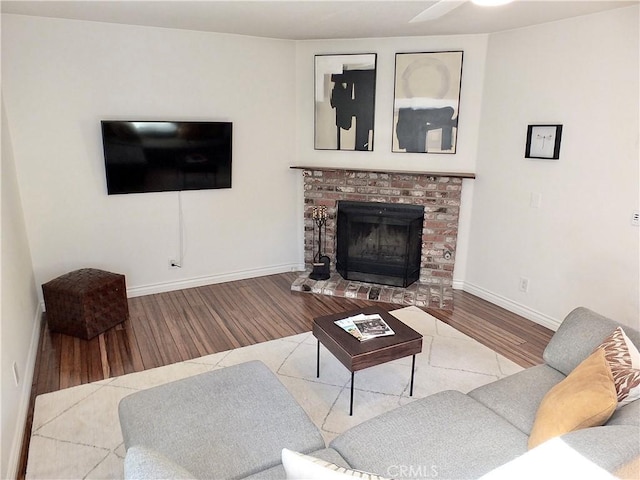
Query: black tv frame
[[143, 156]]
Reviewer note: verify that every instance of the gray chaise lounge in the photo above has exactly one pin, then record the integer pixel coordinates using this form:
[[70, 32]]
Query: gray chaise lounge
[[234, 423]]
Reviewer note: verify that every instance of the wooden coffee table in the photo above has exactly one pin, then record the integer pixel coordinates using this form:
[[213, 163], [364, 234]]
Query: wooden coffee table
[[357, 355]]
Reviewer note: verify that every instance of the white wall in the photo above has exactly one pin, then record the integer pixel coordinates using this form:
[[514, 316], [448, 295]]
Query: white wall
[[474, 47], [579, 247], [61, 77], [19, 315], [464, 160]]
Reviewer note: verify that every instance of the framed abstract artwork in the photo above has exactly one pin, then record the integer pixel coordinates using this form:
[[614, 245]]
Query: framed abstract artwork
[[426, 102], [345, 90], [543, 141]]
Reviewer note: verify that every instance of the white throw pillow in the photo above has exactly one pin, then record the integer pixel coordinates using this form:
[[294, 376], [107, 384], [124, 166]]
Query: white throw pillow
[[303, 467]]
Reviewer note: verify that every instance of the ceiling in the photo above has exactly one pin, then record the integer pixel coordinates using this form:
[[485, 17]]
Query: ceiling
[[312, 19]]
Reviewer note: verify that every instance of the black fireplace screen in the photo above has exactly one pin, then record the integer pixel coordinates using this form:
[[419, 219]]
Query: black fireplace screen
[[379, 242]]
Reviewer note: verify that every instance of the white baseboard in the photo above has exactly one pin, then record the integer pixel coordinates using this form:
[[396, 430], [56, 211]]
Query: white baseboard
[[25, 397], [211, 279], [508, 304]]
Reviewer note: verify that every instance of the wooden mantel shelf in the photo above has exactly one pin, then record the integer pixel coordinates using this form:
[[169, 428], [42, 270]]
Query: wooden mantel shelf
[[381, 170]]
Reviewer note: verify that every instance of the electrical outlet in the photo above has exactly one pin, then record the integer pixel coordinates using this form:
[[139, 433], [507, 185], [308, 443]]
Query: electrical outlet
[[523, 286], [535, 200], [16, 376], [635, 218], [174, 264]]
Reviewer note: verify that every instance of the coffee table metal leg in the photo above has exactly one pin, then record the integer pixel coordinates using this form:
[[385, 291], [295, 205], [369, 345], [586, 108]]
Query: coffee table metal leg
[[351, 401], [413, 369], [318, 361]]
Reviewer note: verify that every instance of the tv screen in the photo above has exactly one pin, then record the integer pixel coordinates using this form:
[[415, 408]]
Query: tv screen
[[151, 156]]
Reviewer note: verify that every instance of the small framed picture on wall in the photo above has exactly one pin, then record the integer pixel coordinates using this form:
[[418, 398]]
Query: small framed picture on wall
[[543, 141]]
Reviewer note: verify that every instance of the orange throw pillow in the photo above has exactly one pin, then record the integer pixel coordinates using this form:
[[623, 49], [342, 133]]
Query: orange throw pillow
[[586, 398]]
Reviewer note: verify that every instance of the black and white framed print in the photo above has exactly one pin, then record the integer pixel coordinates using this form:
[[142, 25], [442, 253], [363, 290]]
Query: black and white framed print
[[345, 90], [543, 141], [426, 102]]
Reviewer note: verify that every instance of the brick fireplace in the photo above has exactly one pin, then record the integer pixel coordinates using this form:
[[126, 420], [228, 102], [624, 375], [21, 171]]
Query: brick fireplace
[[439, 193]]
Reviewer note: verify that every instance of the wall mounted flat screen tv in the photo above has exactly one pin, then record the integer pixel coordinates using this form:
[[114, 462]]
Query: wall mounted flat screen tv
[[151, 156]]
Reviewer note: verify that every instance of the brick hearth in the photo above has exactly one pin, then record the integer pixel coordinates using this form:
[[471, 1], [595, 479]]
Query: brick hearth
[[440, 196]]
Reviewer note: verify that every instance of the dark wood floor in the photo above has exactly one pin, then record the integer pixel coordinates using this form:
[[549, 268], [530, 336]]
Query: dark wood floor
[[176, 326]]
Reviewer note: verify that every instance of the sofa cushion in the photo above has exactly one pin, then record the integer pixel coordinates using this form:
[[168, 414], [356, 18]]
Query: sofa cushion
[[517, 397], [551, 460], [627, 415], [609, 446], [624, 361], [141, 462], [448, 435], [630, 470], [591, 453], [298, 466], [586, 398], [578, 336], [231, 422]]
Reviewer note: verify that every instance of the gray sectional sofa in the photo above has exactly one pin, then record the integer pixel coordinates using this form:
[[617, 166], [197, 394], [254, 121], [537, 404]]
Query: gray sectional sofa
[[234, 423]]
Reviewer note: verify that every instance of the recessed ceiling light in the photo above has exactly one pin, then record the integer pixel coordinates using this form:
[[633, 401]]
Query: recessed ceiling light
[[491, 3]]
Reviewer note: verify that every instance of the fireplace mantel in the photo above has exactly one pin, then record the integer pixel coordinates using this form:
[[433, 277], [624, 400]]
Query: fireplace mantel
[[384, 170]]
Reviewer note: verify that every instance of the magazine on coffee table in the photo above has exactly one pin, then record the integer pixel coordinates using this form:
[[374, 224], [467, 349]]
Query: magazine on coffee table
[[365, 327]]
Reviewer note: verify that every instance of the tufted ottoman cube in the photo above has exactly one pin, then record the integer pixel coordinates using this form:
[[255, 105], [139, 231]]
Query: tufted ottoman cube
[[85, 302]]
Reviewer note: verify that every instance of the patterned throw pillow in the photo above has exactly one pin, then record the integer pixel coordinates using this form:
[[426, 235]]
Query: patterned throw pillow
[[624, 361]]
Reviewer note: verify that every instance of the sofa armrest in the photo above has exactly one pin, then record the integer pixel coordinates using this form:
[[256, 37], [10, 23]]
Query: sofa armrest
[[578, 335]]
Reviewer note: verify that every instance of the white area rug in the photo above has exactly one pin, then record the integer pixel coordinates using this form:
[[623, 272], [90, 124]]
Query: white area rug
[[76, 433]]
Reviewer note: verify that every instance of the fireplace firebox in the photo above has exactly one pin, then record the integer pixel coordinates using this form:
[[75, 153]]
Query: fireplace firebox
[[379, 242]]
